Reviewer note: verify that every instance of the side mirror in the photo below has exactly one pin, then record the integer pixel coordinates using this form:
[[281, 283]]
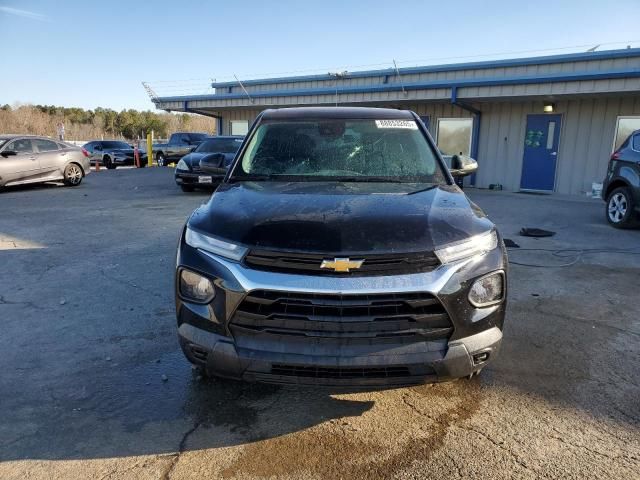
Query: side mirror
[[9, 153], [462, 165]]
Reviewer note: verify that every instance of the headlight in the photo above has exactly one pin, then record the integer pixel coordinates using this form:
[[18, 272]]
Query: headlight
[[194, 286], [182, 165], [487, 290], [214, 245], [476, 245]]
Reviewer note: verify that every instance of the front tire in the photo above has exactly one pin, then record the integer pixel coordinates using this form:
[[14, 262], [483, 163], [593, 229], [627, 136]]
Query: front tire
[[620, 208], [161, 160], [107, 162], [73, 175]]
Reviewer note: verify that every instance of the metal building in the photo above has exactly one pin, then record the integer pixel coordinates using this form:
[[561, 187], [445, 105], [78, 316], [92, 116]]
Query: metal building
[[545, 124]]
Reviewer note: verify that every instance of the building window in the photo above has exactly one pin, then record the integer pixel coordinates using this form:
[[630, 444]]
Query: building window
[[625, 127], [454, 135], [239, 127]]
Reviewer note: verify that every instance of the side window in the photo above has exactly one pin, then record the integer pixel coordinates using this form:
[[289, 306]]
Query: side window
[[636, 142], [21, 145], [625, 126], [239, 127], [454, 135], [89, 147], [45, 145]]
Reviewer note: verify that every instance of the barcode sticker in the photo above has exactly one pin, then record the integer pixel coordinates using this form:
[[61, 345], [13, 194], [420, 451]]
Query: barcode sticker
[[408, 124]]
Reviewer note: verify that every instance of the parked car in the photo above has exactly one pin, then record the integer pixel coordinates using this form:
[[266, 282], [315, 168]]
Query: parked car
[[621, 186], [180, 143], [32, 159], [207, 165], [338, 250], [112, 153]]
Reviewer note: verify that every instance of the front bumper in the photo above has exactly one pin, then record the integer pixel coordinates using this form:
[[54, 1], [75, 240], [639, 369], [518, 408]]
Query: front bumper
[[207, 340], [193, 179], [220, 357]]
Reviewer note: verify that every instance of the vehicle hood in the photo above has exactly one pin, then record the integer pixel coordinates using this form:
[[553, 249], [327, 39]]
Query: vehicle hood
[[214, 162], [193, 159], [340, 218]]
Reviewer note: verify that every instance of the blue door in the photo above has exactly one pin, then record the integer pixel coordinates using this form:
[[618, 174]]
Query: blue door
[[541, 141]]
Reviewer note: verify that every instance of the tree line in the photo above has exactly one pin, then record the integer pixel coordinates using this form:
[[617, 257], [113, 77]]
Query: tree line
[[81, 124]]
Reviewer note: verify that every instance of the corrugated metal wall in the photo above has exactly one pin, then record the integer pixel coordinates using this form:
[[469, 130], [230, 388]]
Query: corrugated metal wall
[[588, 128], [593, 65]]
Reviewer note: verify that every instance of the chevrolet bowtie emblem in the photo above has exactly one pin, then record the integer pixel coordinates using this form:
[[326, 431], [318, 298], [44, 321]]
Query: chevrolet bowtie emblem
[[341, 264]]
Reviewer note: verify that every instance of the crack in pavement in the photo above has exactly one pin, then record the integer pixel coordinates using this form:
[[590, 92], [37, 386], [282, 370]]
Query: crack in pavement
[[590, 450], [500, 445], [166, 475], [4, 301]]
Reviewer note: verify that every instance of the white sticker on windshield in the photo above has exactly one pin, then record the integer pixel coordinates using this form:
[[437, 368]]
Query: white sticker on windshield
[[410, 124]]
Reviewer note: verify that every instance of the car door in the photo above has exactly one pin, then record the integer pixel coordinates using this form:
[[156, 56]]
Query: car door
[[182, 147], [52, 159], [22, 166], [96, 152]]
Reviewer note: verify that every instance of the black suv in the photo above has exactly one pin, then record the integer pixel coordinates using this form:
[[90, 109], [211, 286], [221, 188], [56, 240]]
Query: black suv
[[621, 186], [207, 165], [339, 251]]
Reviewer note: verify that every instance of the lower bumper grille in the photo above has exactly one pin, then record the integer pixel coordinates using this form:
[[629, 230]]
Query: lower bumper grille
[[388, 318], [338, 372], [198, 353]]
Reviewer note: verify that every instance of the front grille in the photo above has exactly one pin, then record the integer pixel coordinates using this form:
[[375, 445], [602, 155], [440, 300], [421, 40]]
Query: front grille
[[398, 317], [196, 169], [339, 372], [309, 263]]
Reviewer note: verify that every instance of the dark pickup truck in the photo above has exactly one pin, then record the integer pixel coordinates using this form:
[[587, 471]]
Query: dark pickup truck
[[180, 144]]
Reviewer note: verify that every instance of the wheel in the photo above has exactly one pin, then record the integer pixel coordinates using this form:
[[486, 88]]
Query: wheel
[[72, 175], [620, 213], [106, 161], [187, 188], [160, 159]]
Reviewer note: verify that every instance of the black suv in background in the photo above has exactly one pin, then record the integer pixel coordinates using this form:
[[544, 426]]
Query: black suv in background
[[621, 186], [207, 165], [338, 250]]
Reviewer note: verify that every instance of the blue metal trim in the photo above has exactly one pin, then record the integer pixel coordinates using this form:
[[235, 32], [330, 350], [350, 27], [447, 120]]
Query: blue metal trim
[[515, 62], [458, 83]]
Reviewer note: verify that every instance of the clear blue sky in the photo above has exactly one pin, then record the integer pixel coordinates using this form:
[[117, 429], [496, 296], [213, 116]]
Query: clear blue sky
[[96, 53]]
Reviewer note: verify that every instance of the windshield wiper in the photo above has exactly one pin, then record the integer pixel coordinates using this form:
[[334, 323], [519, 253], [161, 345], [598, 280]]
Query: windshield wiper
[[365, 179], [253, 178]]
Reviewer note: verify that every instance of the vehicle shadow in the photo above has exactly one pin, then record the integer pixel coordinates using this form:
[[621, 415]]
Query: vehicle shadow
[[32, 187], [132, 411]]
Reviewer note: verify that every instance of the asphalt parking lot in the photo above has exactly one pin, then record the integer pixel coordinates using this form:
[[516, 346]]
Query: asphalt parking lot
[[94, 385]]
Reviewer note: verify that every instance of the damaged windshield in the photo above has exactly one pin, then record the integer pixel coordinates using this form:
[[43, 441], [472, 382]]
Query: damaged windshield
[[332, 150]]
